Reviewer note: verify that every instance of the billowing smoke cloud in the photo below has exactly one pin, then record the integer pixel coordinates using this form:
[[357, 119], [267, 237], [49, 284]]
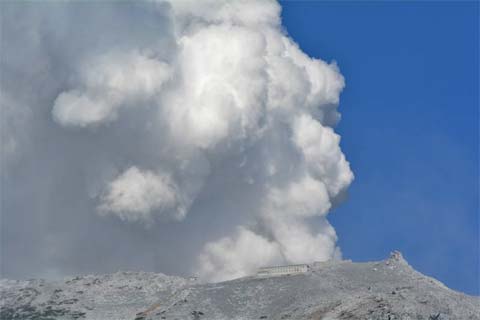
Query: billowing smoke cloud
[[106, 84], [201, 111], [135, 195]]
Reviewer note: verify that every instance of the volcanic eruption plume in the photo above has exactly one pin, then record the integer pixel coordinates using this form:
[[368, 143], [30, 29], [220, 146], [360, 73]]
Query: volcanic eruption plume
[[166, 112]]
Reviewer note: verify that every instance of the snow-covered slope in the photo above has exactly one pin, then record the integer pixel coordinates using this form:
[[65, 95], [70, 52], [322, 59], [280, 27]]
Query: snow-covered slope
[[388, 289], [114, 296]]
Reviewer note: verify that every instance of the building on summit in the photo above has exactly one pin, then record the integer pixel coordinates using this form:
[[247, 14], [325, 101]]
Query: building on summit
[[283, 270]]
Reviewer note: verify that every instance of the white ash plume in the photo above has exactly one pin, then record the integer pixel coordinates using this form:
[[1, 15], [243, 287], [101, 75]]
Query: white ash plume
[[164, 110]]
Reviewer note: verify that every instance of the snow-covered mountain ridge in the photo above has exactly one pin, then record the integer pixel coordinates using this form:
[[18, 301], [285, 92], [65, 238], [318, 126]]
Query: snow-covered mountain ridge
[[388, 289]]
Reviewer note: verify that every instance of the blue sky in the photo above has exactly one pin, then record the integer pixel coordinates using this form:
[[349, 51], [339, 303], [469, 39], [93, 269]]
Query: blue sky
[[409, 128]]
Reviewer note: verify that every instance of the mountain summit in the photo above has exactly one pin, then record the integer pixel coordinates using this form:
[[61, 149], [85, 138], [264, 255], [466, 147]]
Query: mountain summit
[[388, 289]]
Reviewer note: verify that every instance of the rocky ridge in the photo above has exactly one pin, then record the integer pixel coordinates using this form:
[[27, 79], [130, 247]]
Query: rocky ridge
[[388, 289]]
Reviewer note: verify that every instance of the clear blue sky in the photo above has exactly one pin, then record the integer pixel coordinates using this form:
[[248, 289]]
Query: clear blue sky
[[410, 114]]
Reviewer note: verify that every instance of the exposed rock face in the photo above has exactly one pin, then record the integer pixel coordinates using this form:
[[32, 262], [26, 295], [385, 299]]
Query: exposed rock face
[[388, 289]]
